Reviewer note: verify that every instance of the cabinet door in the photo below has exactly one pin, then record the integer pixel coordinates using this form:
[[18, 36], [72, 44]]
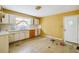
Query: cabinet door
[[27, 34], [5, 19], [22, 35], [12, 19], [32, 33], [4, 44], [17, 36], [11, 38], [39, 31], [36, 32]]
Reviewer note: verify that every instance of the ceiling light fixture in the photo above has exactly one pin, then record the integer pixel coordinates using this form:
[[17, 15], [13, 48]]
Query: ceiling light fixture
[[38, 7]]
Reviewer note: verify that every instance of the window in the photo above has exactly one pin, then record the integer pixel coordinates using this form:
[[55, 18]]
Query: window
[[23, 23]]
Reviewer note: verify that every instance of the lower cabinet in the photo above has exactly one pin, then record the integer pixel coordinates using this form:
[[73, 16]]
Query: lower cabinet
[[22, 35], [11, 38], [32, 33], [4, 44], [18, 35], [37, 32], [27, 34]]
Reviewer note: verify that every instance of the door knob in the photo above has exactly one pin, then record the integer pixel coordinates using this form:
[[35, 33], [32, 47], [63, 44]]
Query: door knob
[[64, 29]]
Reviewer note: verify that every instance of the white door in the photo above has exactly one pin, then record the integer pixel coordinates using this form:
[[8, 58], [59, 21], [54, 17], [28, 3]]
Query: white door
[[70, 28]]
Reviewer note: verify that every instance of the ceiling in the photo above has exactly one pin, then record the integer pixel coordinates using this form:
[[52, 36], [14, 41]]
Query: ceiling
[[46, 10]]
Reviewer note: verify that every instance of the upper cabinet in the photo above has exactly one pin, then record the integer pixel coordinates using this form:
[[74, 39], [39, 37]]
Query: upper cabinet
[[8, 19], [12, 19], [5, 19]]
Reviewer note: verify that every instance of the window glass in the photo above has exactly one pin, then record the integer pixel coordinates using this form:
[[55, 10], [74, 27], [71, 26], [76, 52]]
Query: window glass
[[22, 23]]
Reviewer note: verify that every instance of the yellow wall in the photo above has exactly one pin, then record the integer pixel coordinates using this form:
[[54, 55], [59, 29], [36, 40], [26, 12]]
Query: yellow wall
[[53, 25]]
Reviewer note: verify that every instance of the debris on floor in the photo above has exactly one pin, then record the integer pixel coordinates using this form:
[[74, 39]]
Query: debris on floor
[[49, 47], [62, 43]]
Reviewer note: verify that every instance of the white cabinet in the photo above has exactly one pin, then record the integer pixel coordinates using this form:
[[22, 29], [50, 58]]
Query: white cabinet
[[7, 22], [4, 44], [11, 38], [14, 36], [5, 19], [22, 35], [9, 19], [12, 19], [27, 34], [17, 36], [37, 32]]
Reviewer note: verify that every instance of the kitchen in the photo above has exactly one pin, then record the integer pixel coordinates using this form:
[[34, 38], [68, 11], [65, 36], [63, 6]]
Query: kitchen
[[28, 28], [14, 28]]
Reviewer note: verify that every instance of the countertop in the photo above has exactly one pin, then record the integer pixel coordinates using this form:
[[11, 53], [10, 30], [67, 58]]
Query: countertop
[[4, 33], [11, 31]]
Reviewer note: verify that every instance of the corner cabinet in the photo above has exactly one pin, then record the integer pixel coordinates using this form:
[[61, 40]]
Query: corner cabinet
[[4, 44]]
